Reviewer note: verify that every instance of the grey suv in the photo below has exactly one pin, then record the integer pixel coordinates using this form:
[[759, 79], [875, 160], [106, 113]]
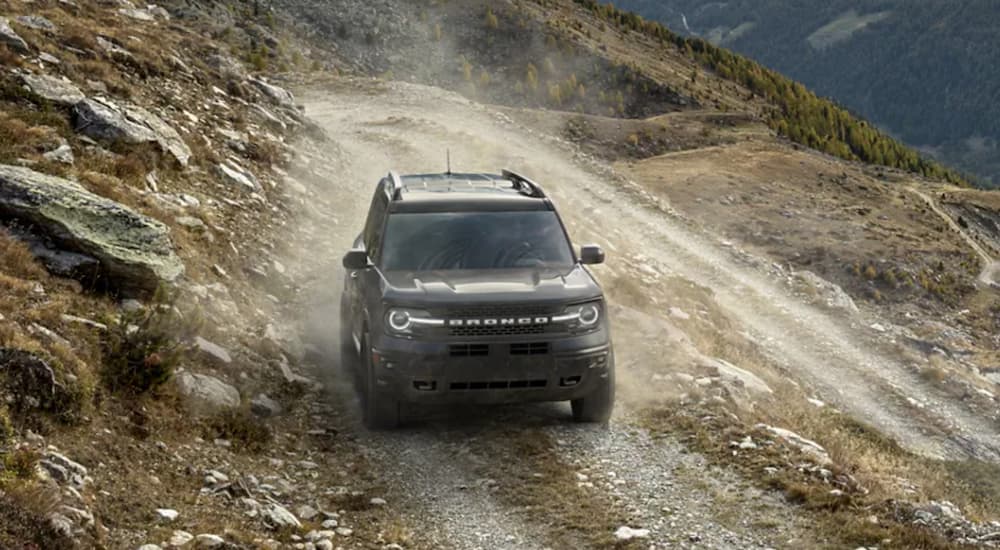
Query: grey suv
[[466, 288]]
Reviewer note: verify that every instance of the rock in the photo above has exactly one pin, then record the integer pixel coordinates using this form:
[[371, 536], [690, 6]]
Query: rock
[[64, 470], [180, 538], [49, 58], [233, 173], [216, 352], [158, 12], [61, 262], [62, 154], [208, 541], [166, 514], [108, 122], [808, 447], [27, 380], [61, 525], [324, 545], [276, 94], [206, 395], [137, 14], [134, 251], [264, 406], [11, 38], [731, 373], [377, 501], [227, 66], [54, 90], [277, 517], [150, 547], [36, 22], [307, 512], [627, 533], [291, 376], [831, 295], [192, 223]]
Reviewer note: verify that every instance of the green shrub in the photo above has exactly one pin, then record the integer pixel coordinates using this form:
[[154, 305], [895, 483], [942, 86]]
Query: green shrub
[[142, 348], [244, 430]]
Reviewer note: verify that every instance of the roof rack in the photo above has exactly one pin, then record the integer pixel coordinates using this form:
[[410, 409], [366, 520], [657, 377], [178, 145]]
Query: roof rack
[[395, 185], [524, 185]]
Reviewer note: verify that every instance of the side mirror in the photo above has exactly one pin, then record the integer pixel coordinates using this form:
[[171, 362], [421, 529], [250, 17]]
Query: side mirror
[[591, 254], [356, 259]]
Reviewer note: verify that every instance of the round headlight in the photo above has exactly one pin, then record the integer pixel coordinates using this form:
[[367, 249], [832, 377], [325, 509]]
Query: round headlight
[[399, 320], [589, 315]]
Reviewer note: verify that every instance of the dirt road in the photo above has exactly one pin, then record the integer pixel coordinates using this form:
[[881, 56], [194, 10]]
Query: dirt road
[[493, 479]]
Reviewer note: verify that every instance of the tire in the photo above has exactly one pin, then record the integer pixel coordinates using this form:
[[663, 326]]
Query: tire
[[348, 355], [381, 412], [596, 407]]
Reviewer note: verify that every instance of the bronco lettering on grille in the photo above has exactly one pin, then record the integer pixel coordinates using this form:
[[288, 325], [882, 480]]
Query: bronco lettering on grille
[[506, 321]]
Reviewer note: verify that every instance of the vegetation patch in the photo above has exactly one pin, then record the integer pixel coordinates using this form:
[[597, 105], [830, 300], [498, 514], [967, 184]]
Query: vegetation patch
[[143, 347], [859, 500]]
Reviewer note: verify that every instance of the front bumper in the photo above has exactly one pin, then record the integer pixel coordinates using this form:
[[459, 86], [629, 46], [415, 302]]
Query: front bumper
[[518, 371]]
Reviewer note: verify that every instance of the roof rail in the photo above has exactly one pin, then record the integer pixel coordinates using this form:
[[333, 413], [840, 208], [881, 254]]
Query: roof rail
[[524, 185], [394, 187]]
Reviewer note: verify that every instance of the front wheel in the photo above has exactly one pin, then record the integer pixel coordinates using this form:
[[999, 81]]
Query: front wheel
[[381, 412], [598, 405]]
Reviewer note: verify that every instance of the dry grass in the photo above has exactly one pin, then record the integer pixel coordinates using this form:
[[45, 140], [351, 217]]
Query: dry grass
[[872, 472], [24, 507], [16, 258], [244, 430]]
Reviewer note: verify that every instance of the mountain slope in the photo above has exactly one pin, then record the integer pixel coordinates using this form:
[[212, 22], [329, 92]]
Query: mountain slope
[[923, 71]]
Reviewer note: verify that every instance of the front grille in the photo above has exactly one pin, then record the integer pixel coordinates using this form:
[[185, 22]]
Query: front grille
[[498, 330], [469, 350], [499, 385], [498, 310], [533, 348]]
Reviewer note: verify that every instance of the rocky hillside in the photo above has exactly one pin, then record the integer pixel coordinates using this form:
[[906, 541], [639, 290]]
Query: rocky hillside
[[922, 71], [142, 194]]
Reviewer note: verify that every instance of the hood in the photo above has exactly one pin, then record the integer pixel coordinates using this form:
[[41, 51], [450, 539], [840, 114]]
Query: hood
[[428, 288]]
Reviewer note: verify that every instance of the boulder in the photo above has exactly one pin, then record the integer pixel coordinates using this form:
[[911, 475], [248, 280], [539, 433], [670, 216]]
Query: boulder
[[235, 174], [264, 406], [212, 350], [277, 94], [28, 382], [103, 120], [806, 446], [227, 66], [134, 251], [277, 517], [11, 38], [55, 90], [137, 14], [62, 154], [207, 395], [36, 22], [827, 293]]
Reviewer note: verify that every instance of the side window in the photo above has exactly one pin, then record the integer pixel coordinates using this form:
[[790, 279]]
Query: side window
[[376, 220]]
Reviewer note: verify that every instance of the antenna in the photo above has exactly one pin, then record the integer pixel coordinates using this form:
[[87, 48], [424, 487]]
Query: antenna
[[449, 161]]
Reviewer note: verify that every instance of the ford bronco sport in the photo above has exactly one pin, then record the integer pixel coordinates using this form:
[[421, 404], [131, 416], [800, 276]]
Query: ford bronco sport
[[465, 288]]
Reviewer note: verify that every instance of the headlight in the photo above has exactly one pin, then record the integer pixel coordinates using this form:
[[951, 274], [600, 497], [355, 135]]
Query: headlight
[[581, 317], [404, 320], [399, 320]]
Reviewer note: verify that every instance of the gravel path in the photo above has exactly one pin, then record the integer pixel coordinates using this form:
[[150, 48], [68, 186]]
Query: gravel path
[[446, 472]]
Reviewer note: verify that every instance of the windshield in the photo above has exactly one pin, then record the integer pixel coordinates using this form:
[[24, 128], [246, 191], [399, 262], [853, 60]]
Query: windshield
[[474, 240]]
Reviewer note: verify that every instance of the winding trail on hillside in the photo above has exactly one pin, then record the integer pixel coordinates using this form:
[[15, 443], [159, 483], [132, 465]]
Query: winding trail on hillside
[[441, 467], [991, 267]]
